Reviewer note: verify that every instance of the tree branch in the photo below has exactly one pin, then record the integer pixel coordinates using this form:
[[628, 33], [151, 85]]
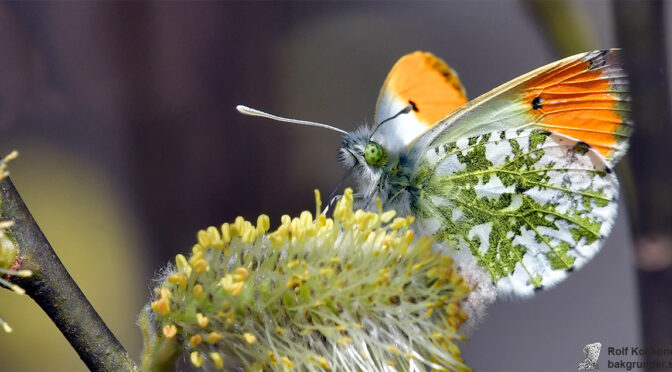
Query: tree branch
[[57, 293]]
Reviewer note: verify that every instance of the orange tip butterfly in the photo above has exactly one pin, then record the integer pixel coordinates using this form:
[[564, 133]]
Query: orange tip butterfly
[[517, 184]]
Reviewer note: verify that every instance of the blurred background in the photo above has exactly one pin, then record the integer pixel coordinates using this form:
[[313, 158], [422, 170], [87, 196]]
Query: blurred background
[[124, 115]]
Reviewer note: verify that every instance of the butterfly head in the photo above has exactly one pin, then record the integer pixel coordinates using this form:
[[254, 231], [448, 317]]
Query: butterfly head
[[360, 153]]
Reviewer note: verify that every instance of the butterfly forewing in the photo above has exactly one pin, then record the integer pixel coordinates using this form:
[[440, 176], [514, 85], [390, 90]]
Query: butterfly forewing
[[584, 96], [425, 82]]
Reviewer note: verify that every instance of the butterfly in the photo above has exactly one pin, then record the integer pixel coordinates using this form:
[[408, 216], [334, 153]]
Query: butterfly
[[518, 184]]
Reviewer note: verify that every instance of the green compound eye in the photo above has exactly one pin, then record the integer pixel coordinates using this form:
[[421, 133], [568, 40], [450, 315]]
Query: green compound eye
[[375, 154]]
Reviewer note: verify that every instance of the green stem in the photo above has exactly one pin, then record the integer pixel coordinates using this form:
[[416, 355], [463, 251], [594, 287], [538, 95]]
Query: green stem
[[56, 292]]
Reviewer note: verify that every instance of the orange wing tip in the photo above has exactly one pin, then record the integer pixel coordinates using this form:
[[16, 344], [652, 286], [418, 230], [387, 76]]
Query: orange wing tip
[[427, 83], [586, 99]]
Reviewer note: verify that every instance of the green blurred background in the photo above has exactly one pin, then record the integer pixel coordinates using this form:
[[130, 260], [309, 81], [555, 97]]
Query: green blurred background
[[124, 117]]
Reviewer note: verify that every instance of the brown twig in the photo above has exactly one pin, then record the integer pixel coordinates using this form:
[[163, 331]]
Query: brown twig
[[57, 293]]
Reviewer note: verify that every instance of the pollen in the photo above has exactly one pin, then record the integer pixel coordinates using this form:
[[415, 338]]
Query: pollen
[[169, 331], [249, 338], [179, 278], [241, 274], [202, 320], [198, 291], [217, 360], [195, 340], [214, 337], [196, 359]]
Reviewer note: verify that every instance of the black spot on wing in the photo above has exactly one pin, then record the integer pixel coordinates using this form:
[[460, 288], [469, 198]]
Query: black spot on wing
[[414, 107], [537, 103], [598, 59], [581, 148]]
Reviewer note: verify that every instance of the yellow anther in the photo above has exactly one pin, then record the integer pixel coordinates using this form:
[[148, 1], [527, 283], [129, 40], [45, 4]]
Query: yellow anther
[[200, 265], [202, 320], [169, 331], [196, 359], [398, 223], [234, 288], [292, 264], [213, 234], [324, 363], [198, 291], [263, 223], [214, 337], [326, 271], [203, 238], [165, 293], [409, 236], [179, 278], [241, 274], [197, 251], [217, 360], [162, 306], [344, 341], [295, 280], [388, 216], [424, 243], [285, 219], [182, 264], [195, 340], [452, 309], [11, 156], [280, 330], [17, 289], [335, 260], [341, 328], [239, 225], [249, 338], [392, 349], [306, 218], [288, 363], [226, 233], [454, 349], [318, 203], [6, 327], [273, 360], [249, 235]]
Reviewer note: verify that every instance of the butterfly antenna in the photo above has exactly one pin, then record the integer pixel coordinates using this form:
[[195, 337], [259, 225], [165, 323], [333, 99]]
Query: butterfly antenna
[[252, 112], [405, 110]]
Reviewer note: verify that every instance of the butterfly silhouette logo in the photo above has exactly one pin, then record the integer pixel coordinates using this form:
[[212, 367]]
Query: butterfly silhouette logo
[[591, 353]]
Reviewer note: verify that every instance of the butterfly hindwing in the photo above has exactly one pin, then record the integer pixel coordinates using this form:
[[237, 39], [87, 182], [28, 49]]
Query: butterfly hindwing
[[425, 82], [530, 205]]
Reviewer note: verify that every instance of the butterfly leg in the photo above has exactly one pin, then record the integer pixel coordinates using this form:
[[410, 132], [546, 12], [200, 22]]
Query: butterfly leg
[[334, 199]]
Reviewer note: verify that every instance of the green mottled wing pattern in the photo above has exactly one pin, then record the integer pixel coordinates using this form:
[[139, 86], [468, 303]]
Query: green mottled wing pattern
[[529, 205]]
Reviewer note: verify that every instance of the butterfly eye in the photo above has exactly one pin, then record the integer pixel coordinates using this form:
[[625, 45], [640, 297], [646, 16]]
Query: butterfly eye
[[375, 154]]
